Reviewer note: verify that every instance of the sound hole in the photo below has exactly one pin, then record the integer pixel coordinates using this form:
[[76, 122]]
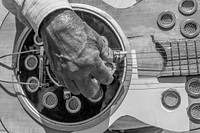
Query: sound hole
[[190, 28], [34, 84], [193, 87], [31, 62], [171, 99], [166, 20], [194, 113], [188, 7], [50, 100]]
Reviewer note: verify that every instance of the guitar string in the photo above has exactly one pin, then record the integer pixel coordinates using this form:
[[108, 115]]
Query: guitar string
[[142, 66], [155, 88], [137, 53], [182, 71], [163, 49], [176, 56], [138, 67], [136, 84], [38, 51], [17, 53], [171, 40], [193, 56]]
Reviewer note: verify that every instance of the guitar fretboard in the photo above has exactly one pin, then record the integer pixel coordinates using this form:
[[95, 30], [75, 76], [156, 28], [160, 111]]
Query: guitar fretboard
[[181, 57]]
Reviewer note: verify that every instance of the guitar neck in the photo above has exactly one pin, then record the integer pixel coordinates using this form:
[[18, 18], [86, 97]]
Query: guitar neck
[[181, 57]]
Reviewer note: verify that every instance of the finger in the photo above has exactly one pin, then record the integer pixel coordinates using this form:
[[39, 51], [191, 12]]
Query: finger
[[71, 86], [102, 73], [106, 53], [88, 87]]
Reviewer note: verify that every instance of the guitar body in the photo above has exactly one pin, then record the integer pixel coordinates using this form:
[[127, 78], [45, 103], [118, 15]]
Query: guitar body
[[160, 82]]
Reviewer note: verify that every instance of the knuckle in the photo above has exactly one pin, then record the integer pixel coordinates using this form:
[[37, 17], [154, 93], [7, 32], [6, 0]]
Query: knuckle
[[92, 59]]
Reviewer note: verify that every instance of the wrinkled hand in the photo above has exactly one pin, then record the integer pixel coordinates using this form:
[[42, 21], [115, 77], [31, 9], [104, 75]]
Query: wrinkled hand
[[76, 52]]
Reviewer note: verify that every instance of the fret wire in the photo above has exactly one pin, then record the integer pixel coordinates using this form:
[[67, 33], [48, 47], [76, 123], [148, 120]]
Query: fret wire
[[187, 57], [179, 53], [196, 57]]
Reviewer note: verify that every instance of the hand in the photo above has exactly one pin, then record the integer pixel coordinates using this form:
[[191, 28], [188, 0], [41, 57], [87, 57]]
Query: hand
[[76, 52]]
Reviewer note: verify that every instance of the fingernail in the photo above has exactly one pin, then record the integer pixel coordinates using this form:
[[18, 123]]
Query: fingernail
[[97, 97], [109, 81], [105, 40]]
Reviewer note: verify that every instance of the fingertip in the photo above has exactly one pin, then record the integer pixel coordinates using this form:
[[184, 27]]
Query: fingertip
[[107, 54], [109, 81], [88, 87], [105, 40], [103, 73]]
